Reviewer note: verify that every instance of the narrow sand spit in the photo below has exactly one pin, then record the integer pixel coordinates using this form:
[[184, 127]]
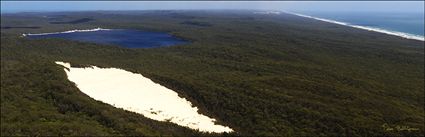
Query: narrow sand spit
[[69, 31], [136, 93]]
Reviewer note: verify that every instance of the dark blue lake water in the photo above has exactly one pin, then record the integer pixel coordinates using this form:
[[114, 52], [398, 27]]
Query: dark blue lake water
[[121, 37], [407, 22]]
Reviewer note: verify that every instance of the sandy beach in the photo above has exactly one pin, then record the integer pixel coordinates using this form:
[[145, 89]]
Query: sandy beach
[[395, 33], [69, 31]]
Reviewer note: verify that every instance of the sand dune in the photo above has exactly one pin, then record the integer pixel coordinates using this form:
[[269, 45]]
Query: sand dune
[[133, 92]]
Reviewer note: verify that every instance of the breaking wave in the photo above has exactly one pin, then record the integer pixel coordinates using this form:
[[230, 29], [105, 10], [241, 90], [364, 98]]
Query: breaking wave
[[389, 32]]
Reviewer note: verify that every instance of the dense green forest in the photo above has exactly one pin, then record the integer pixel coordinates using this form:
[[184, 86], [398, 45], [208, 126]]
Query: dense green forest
[[268, 75]]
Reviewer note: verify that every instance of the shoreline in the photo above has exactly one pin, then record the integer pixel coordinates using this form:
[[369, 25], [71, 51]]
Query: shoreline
[[63, 32], [374, 29], [379, 30]]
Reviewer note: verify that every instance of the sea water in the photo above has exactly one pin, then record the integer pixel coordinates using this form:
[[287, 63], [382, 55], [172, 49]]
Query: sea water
[[406, 22]]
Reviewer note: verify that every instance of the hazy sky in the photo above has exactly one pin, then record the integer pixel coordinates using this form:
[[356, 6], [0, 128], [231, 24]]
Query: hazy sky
[[15, 6]]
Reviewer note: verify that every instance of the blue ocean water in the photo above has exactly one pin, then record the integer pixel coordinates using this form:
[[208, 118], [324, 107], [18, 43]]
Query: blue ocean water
[[121, 37], [407, 22]]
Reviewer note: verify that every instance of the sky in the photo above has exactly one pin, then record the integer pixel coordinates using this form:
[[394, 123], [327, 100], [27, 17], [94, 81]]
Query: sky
[[381, 6]]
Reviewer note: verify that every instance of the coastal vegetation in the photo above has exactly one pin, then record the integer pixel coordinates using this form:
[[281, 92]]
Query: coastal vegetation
[[265, 75]]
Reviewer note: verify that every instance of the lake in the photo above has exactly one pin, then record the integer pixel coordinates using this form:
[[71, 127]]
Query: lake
[[122, 37]]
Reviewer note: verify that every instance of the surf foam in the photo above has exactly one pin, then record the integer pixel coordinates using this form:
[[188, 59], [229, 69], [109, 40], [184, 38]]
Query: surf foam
[[389, 32]]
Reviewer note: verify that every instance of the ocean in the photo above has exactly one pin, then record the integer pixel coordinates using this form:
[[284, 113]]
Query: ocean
[[410, 23]]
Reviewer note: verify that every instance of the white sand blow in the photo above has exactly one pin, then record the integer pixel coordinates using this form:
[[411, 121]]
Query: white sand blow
[[133, 92]]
